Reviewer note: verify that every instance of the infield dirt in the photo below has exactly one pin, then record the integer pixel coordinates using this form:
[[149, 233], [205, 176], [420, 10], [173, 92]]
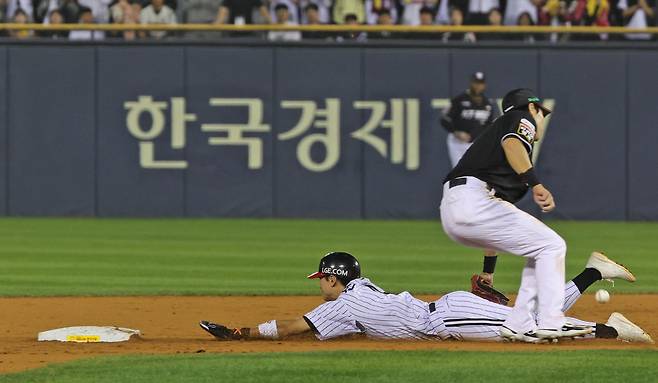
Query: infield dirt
[[170, 326]]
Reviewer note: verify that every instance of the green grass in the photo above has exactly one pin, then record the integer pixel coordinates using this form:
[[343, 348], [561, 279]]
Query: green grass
[[198, 257], [373, 366]]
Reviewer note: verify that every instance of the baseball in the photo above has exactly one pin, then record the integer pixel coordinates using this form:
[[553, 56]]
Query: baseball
[[602, 296]]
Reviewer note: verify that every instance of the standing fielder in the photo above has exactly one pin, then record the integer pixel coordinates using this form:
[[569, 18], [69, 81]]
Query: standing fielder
[[467, 117], [356, 305], [477, 210]]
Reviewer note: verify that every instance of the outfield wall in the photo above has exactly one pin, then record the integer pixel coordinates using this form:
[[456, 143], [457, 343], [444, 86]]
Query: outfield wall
[[308, 131]]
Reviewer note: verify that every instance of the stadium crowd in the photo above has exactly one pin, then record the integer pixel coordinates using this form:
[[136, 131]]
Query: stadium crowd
[[602, 13]]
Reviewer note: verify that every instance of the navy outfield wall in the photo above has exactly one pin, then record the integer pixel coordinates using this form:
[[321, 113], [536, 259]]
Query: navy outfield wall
[[305, 131]]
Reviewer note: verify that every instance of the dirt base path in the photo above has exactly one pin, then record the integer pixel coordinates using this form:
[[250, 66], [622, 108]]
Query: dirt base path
[[169, 326]]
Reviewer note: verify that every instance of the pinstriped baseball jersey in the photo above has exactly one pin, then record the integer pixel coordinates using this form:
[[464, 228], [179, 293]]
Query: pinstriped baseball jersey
[[363, 307]]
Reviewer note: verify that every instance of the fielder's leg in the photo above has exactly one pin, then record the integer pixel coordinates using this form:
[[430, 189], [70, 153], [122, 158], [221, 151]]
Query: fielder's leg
[[598, 267], [456, 148], [472, 216]]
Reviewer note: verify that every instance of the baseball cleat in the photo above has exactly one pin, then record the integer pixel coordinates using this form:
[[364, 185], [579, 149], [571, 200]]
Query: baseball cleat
[[627, 331], [512, 336], [608, 268], [567, 331]]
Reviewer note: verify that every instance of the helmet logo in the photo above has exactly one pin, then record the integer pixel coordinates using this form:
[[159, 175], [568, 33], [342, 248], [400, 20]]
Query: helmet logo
[[332, 271]]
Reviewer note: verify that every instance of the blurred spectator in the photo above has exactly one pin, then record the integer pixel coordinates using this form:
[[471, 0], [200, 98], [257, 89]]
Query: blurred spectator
[[384, 18], [375, 7], [344, 8], [24, 5], [312, 17], [554, 13], [525, 20], [86, 17], [282, 15], [616, 15], [126, 12], [157, 13], [324, 10], [55, 18], [589, 13], [515, 8], [443, 11], [638, 14], [70, 11], [99, 8], [457, 18], [198, 12], [494, 19], [293, 9], [40, 10], [352, 19], [411, 10], [478, 11], [240, 12], [461, 4], [21, 17], [323, 6], [426, 17]]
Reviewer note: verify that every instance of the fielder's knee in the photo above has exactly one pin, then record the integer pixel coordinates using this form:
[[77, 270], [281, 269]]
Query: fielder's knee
[[557, 248]]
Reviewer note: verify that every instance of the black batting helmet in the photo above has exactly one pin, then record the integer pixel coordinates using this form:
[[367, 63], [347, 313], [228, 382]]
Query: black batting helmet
[[341, 264]]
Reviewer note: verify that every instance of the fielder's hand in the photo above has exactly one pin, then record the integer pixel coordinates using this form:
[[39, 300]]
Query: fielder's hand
[[463, 136], [222, 332], [486, 278], [543, 198]]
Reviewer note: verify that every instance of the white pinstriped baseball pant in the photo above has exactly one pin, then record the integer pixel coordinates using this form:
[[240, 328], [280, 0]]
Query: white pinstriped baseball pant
[[472, 216]]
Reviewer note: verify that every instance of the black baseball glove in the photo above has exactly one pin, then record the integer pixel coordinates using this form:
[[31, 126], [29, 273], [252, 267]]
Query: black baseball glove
[[224, 333], [481, 288]]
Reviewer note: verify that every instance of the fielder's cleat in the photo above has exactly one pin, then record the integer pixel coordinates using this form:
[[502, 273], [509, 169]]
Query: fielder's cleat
[[627, 331], [608, 268], [567, 331], [512, 336]]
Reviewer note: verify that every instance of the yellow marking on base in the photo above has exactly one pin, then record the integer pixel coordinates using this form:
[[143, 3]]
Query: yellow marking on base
[[83, 338]]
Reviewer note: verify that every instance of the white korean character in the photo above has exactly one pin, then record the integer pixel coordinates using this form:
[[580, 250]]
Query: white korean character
[[327, 119], [155, 109], [404, 127], [234, 132]]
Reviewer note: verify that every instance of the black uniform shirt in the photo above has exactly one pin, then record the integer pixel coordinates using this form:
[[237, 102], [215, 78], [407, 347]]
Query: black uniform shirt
[[467, 116], [486, 160]]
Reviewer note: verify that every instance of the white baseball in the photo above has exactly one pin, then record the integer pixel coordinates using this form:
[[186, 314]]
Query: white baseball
[[602, 296]]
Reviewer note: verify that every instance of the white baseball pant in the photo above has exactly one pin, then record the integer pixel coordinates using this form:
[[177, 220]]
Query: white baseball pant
[[456, 148], [471, 215]]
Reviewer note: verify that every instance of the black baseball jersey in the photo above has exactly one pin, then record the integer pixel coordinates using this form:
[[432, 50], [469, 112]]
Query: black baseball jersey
[[486, 160], [468, 116]]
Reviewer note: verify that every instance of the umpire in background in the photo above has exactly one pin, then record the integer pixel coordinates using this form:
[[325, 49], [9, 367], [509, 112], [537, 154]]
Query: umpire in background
[[467, 116]]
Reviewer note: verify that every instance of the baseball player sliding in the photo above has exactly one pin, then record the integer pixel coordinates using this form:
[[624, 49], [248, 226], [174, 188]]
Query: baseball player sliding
[[356, 305], [477, 210]]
